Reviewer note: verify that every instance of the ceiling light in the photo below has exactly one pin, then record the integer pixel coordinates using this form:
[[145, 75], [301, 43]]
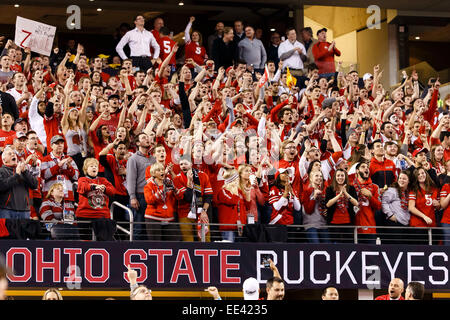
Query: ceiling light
[[72, 23], [273, 29], [16, 5], [417, 38], [99, 9], [181, 3]]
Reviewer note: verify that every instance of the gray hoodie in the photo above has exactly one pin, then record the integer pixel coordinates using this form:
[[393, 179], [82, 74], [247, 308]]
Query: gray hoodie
[[392, 206]]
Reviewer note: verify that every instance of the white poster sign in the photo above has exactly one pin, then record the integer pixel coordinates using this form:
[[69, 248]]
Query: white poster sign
[[35, 35]]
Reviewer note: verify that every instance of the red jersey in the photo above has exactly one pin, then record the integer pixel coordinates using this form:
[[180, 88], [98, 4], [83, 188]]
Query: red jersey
[[195, 52], [444, 193], [166, 45], [424, 203], [284, 214]]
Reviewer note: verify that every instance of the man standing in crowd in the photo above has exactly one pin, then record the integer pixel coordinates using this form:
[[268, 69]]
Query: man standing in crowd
[[16, 181], [252, 50], [369, 201], [292, 53], [224, 50], [272, 51], [139, 40], [57, 167], [324, 53], [217, 34], [239, 33], [275, 289], [330, 293], [136, 166], [414, 291], [308, 42], [394, 292]]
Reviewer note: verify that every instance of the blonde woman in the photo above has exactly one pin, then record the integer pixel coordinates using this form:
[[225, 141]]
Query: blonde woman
[[52, 294], [233, 203], [54, 208], [94, 193], [160, 198], [249, 182]]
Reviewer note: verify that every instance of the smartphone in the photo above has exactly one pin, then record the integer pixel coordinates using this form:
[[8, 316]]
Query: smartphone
[[265, 260], [283, 38]]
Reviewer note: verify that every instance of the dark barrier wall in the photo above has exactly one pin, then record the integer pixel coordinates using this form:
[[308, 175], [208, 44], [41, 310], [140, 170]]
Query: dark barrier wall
[[225, 265]]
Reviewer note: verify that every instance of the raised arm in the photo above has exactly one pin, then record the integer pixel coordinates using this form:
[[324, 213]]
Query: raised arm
[[166, 61]]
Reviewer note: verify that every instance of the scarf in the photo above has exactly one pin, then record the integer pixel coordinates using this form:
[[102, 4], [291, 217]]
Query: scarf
[[197, 200]]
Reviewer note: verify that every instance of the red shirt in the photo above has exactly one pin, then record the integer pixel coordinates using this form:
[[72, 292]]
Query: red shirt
[[444, 193], [4, 135], [367, 207], [424, 203], [166, 45], [119, 181], [196, 52], [387, 297], [231, 209], [324, 59], [286, 211]]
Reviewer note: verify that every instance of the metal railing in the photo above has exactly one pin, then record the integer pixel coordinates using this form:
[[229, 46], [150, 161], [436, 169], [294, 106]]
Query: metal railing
[[128, 231], [214, 232]]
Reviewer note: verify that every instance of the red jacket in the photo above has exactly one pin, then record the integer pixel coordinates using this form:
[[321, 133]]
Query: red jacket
[[158, 207], [367, 207], [94, 203], [324, 59], [232, 208]]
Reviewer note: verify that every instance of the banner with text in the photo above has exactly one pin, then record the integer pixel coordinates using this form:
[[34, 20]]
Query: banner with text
[[224, 265], [35, 35]]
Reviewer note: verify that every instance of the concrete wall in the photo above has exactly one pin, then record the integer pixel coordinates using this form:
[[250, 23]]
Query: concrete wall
[[373, 48]]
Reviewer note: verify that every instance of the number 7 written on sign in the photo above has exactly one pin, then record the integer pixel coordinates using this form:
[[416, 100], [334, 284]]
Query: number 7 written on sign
[[28, 35]]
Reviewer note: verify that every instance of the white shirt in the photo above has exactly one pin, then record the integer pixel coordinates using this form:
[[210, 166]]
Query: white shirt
[[37, 121], [139, 43], [294, 61]]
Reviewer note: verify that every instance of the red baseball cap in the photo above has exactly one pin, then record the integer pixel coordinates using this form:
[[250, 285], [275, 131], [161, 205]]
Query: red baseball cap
[[419, 150]]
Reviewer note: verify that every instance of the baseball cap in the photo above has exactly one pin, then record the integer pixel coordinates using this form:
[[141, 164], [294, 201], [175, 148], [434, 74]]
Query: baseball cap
[[419, 150], [323, 29], [367, 76], [328, 102], [56, 139], [250, 288], [113, 96], [283, 170], [19, 120]]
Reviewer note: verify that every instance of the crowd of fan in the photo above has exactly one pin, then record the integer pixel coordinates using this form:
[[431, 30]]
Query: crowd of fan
[[231, 133]]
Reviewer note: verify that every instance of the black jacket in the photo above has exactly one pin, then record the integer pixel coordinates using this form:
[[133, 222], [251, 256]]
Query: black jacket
[[14, 189], [223, 54], [330, 194], [8, 104]]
